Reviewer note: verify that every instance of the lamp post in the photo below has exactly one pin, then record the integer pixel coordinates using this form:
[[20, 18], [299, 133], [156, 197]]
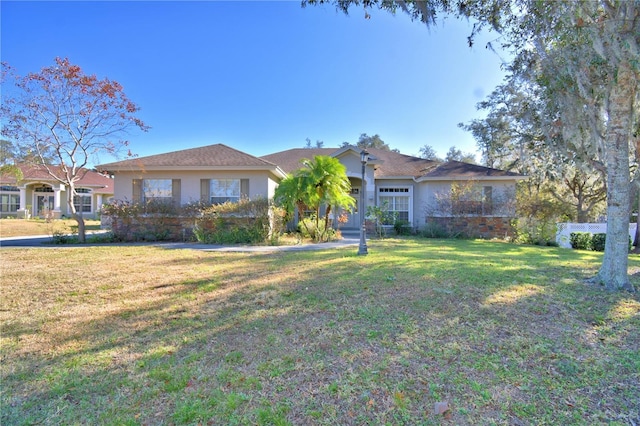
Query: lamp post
[[362, 250]]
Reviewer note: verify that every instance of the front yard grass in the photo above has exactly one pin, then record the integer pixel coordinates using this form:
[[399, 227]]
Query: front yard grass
[[495, 333]]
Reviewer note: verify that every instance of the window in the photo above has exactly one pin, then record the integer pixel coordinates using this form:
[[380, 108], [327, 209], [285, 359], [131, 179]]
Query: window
[[82, 201], [397, 202], [9, 203], [355, 193], [223, 190], [157, 190], [472, 201], [43, 188], [162, 190]]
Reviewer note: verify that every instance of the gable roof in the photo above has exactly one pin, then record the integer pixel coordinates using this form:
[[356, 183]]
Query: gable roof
[[387, 164], [290, 160], [210, 157], [394, 165], [37, 173]]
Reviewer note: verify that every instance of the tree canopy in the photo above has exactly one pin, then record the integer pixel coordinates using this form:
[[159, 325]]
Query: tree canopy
[[581, 62], [366, 141]]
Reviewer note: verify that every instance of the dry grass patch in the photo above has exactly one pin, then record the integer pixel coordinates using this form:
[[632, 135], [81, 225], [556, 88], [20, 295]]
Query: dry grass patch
[[30, 227], [504, 334]]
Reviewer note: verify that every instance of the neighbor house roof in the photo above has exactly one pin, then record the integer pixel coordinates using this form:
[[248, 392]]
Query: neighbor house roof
[[211, 157], [37, 173]]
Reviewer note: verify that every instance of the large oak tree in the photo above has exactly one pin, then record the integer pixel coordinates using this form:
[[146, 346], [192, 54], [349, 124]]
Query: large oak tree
[[584, 57]]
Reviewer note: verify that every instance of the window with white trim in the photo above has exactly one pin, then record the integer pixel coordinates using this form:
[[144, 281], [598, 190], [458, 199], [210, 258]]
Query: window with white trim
[[397, 201], [223, 190], [9, 202], [82, 201]]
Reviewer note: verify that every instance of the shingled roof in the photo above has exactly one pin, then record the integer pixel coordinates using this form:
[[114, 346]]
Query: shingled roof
[[387, 164], [460, 170], [390, 164], [291, 159], [216, 156], [38, 173]]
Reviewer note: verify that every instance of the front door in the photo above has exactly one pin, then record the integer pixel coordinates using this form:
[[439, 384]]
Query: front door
[[353, 216], [44, 204]]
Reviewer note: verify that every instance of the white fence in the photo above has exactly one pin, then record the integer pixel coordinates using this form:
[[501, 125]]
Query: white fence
[[563, 234]]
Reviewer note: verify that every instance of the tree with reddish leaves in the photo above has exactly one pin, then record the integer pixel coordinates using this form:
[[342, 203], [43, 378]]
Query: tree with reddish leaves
[[63, 114]]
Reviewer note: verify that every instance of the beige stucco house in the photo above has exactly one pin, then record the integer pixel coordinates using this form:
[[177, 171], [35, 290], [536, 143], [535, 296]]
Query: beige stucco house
[[38, 194], [417, 190], [212, 174]]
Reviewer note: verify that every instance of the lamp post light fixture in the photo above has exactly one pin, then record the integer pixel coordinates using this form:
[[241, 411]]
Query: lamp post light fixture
[[362, 250]]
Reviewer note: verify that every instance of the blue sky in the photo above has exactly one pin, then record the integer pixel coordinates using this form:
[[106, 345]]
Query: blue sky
[[264, 76]]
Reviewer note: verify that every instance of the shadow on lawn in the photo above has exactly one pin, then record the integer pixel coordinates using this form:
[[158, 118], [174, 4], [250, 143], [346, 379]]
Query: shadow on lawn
[[335, 337]]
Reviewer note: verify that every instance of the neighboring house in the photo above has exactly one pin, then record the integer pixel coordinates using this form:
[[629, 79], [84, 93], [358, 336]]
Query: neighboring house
[[38, 194], [474, 199]]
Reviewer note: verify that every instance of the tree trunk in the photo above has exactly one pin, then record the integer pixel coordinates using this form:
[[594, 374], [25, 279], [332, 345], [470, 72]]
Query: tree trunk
[[81, 228], [636, 237], [613, 272], [77, 215]]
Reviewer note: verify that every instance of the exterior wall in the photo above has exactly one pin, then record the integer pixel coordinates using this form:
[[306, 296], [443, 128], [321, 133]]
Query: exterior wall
[[260, 183], [271, 187], [496, 225], [475, 226], [503, 195], [353, 164]]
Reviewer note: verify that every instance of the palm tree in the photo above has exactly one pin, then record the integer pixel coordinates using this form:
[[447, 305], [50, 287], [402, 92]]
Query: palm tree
[[322, 181]]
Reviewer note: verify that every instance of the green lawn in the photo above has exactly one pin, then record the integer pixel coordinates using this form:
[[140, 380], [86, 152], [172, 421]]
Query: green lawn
[[501, 333]]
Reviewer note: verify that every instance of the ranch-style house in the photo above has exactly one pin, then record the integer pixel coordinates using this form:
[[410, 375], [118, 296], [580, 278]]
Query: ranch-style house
[[470, 198]]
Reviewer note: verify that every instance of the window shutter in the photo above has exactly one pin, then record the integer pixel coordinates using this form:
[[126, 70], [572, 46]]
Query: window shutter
[[136, 193], [175, 192], [205, 190], [244, 188]]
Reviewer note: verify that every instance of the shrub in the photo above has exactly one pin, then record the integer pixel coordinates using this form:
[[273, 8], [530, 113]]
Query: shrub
[[580, 240], [535, 231], [310, 228], [244, 222], [402, 227], [598, 241], [381, 216], [434, 230]]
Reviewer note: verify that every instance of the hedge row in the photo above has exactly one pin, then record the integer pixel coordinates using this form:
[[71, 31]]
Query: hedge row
[[245, 221], [589, 241]]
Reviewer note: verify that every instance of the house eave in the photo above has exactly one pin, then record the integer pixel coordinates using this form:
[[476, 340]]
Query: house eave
[[378, 178], [145, 168]]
